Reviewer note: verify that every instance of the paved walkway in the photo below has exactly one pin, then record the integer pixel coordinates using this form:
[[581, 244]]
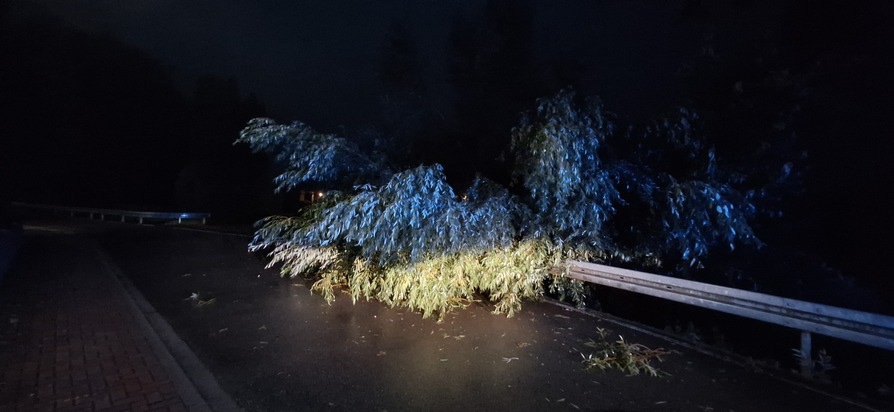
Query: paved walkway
[[73, 339]]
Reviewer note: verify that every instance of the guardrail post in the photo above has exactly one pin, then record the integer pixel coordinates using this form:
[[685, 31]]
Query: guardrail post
[[806, 355]]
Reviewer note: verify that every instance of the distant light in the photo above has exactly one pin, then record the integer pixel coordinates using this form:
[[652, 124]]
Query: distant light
[[320, 194]]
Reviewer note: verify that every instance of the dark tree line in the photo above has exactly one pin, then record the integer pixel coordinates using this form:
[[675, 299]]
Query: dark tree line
[[814, 91], [492, 76], [90, 121]]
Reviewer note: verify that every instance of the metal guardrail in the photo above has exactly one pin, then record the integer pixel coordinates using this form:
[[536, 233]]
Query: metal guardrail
[[122, 214], [852, 325]]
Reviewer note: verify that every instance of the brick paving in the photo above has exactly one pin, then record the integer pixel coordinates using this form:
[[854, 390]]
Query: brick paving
[[71, 338]]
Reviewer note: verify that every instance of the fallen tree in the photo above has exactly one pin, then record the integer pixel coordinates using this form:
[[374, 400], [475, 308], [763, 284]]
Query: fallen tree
[[582, 189]]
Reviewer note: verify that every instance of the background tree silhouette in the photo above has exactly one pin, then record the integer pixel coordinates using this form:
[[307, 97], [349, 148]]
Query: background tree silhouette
[[493, 77], [409, 122], [212, 176], [95, 122], [90, 118]]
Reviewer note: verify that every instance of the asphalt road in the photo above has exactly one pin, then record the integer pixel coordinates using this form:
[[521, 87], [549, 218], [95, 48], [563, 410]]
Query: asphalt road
[[274, 346]]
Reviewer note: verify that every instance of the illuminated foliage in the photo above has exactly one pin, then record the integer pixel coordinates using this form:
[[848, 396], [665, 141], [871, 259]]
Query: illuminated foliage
[[413, 243], [309, 156], [694, 204], [632, 358], [557, 157], [647, 196], [587, 192]]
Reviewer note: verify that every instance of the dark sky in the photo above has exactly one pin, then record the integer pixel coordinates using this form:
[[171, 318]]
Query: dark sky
[[318, 60], [304, 59]]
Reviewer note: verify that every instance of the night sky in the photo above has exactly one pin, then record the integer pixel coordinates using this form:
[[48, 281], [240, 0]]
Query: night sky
[[319, 61], [135, 103]]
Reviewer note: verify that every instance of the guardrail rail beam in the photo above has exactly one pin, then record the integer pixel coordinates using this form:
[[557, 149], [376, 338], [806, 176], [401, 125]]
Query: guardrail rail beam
[[123, 214]]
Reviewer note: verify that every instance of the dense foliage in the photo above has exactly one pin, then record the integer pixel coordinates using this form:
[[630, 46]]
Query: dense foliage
[[583, 190]]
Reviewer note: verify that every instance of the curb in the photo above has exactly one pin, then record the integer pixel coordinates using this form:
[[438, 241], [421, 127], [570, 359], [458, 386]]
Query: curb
[[196, 385]]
